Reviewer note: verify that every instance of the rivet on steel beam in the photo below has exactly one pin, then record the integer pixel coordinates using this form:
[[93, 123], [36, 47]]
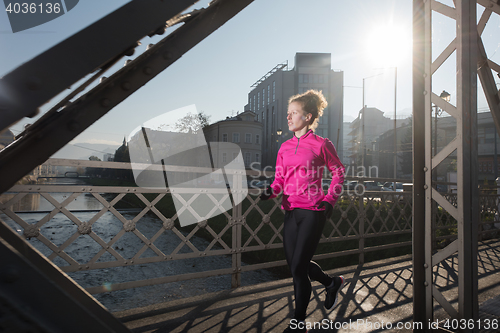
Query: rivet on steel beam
[[167, 55], [147, 70], [425, 75], [101, 80], [426, 266], [425, 92], [128, 61], [425, 169], [126, 85], [105, 102], [426, 187], [149, 46], [426, 283]]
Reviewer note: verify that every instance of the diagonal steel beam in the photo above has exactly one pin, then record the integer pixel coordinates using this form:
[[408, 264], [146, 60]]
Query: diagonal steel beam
[[51, 133], [34, 83], [488, 83]]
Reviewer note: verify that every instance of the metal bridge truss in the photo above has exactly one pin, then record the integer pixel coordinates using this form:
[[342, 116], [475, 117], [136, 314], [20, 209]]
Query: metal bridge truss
[[34, 83], [471, 62], [23, 91]]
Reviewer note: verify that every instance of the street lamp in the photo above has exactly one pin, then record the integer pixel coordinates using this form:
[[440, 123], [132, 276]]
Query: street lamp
[[437, 111], [446, 96]]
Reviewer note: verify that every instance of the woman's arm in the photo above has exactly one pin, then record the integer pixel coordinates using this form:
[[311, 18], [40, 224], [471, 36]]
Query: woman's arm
[[336, 168]]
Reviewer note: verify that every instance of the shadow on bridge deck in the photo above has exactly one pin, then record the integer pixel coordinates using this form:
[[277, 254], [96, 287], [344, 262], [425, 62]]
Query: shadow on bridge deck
[[374, 293]]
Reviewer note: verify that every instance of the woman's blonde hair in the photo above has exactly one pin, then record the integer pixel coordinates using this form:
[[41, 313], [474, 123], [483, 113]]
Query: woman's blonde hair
[[313, 102]]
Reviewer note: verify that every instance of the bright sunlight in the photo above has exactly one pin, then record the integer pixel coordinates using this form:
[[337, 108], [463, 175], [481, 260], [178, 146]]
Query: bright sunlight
[[388, 45]]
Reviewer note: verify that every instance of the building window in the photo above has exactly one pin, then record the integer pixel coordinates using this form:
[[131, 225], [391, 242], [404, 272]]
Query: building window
[[268, 93], [258, 100], [254, 102], [257, 117], [236, 137], [274, 91], [248, 138], [247, 159], [263, 100], [224, 137], [257, 157], [250, 102], [257, 138], [263, 116], [224, 158]]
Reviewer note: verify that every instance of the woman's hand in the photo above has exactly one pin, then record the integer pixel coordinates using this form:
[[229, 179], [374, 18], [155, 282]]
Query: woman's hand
[[267, 193], [328, 208]]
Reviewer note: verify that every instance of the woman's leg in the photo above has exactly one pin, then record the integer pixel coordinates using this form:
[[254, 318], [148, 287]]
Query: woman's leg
[[301, 234], [314, 270]]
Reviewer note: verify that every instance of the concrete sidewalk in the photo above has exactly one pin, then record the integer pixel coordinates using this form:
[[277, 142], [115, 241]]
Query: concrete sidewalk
[[376, 296]]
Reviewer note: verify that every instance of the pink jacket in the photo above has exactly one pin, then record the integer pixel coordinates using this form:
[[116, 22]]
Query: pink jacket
[[299, 169]]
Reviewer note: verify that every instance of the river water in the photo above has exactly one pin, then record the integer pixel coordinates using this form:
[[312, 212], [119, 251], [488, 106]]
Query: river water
[[60, 228]]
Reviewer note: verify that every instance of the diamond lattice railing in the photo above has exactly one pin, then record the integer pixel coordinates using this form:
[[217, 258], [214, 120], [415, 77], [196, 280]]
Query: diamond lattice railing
[[108, 233]]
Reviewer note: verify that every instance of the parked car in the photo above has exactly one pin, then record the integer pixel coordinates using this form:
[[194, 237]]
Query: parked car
[[255, 183], [350, 185], [372, 186], [389, 187]]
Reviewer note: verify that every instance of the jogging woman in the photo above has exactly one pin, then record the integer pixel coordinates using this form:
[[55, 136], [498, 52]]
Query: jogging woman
[[299, 169]]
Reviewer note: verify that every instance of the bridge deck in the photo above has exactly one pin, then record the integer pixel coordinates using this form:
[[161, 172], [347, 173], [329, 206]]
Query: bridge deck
[[375, 293]]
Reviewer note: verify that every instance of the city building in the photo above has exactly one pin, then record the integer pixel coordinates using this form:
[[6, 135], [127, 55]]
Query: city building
[[243, 130], [374, 126], [269, 101], [107, 157], [487, 144]]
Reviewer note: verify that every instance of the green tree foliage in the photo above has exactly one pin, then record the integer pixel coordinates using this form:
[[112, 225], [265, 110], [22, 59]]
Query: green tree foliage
[[192, 123], [94, 172]]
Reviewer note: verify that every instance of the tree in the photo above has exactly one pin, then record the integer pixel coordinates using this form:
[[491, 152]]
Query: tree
[[192, 123], [93, 172]]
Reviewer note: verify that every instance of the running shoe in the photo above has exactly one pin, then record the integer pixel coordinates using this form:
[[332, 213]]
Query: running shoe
[[333, 292]]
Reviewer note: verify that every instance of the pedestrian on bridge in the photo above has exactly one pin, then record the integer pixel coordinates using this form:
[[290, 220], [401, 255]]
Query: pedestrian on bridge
[[299, 169]]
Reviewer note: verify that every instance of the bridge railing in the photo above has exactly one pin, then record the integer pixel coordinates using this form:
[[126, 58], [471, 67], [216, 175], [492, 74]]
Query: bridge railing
[[133, 227]]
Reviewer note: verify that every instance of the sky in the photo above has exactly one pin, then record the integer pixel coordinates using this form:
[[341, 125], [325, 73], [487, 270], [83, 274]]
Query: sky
[[216, 74]]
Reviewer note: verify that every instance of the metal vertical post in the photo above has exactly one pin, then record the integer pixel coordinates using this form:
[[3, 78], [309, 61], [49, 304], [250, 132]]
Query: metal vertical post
[[362, 143], [418, 206], [361, 221], [467, 200], [236, 232], [395, 128]]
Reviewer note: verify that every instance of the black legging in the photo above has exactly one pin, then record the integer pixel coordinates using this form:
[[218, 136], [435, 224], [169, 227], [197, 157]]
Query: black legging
[[301, 233]]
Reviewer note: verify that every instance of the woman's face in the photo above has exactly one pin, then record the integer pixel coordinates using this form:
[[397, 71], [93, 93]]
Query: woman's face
[[296, 117]]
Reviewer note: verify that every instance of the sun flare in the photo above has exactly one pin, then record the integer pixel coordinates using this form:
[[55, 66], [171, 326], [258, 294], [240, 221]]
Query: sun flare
[[388, 45]]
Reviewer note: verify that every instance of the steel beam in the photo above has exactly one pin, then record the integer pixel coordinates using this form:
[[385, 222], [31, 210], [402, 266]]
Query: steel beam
[[34, 83], [38, 294], [53, 132], [489, 86], [467, 199], [465, 143], [418, 207]]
